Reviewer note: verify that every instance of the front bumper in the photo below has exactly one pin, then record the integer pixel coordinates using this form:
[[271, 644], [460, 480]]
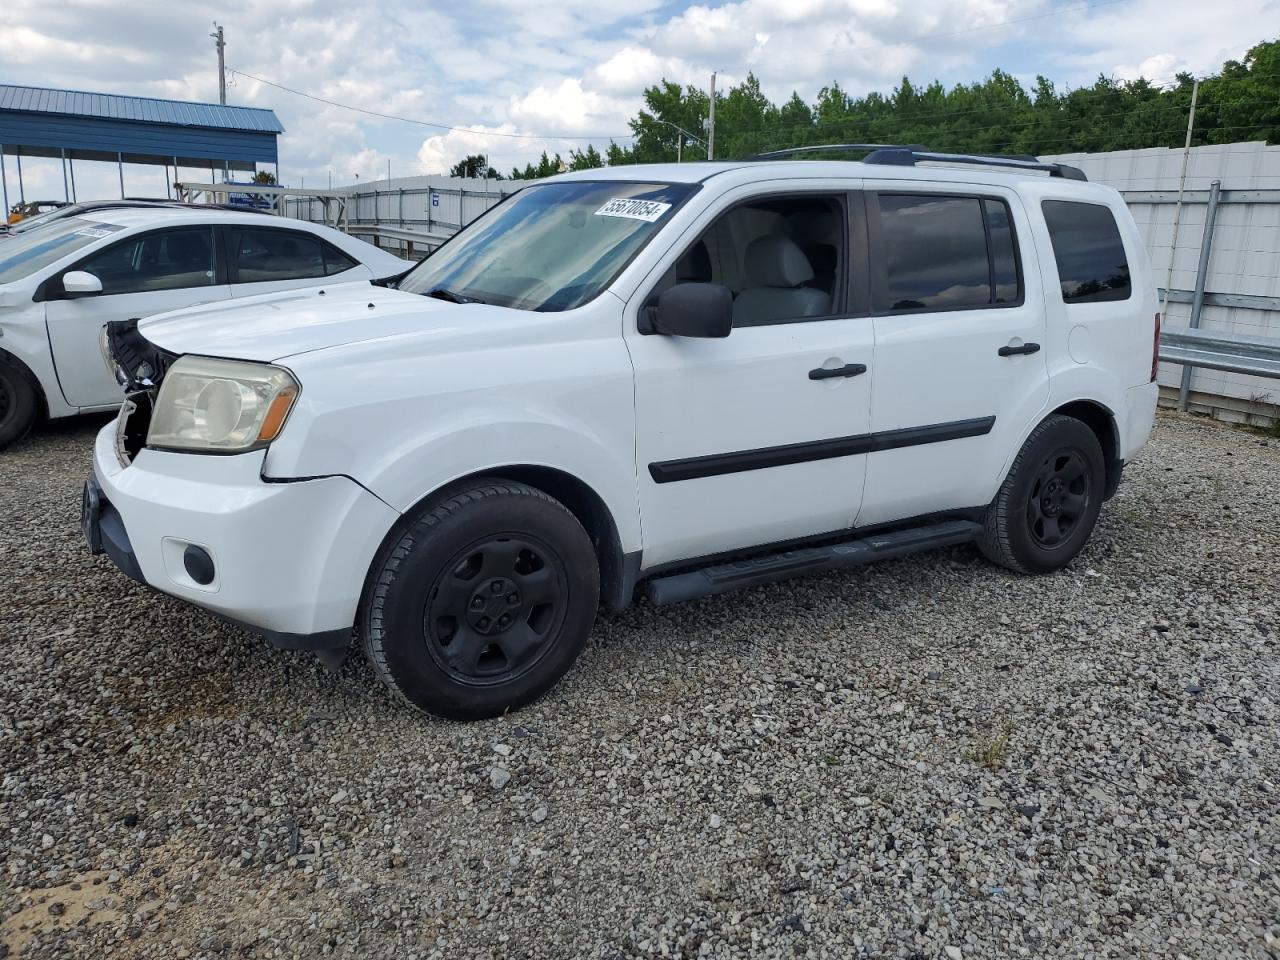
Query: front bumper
[[289, 559]]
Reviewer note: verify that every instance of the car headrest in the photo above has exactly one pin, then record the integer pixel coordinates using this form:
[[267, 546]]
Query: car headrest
[[813, 226], [777, 261], [694, 266]]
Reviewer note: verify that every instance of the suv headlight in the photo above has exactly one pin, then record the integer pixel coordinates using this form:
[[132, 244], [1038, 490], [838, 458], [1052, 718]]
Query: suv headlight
[[221, 406]]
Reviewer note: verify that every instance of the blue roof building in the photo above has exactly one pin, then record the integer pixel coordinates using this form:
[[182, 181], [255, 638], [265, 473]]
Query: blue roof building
[[75, 125]]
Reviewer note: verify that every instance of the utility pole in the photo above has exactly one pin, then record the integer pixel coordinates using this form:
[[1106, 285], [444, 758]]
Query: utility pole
[[679, 146], [1177, 209], [711, 122], [221, 44]]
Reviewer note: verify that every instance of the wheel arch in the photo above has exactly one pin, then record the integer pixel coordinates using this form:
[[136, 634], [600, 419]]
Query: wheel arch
[[13, 360], [1102, 421], [619, 571]]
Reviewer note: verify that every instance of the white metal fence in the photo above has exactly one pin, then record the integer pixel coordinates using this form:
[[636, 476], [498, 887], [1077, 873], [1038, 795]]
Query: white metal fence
[[433, 208], [1240, 282]]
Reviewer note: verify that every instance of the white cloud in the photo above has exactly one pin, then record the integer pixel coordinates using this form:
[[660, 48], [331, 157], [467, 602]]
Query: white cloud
[[635, 67], [570, 109], [1138, 37], [437, 154], [564, 67], [1156, 67]]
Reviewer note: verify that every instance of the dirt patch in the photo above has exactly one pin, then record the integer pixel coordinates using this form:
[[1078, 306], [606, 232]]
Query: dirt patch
[[87, 900]]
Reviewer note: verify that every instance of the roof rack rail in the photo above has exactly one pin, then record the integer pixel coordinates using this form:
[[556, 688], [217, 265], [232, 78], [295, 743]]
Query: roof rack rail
[[833, 148], [910, 156]]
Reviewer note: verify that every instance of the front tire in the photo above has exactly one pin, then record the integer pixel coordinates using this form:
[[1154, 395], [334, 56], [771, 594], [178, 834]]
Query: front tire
[[19, 403], [483, 603], [1049, 503]]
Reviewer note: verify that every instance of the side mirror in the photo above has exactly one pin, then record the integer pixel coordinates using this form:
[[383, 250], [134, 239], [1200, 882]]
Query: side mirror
[[693, 310], [77, 283]]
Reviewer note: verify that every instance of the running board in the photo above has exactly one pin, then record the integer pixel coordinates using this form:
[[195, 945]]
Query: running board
[[754, 571]]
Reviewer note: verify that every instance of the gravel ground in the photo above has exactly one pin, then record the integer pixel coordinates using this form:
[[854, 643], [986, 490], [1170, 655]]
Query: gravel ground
[[930, 758]]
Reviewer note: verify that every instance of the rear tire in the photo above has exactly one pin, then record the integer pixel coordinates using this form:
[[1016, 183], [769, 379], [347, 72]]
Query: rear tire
[[19, 403], [1049, 503], [483, 603]]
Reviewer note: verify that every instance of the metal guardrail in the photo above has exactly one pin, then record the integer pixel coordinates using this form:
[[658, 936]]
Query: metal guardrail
[[1215, 350], [414, 240]]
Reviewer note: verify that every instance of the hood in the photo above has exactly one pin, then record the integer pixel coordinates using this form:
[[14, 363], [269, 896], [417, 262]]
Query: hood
[[278, 325]]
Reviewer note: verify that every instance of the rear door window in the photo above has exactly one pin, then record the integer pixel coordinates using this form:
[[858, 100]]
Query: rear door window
[[1092, 263], [261, 255], [941, 252], [335, 261]]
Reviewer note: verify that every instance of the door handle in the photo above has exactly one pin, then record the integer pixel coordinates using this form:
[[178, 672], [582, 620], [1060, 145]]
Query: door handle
[[1018, 351], [848, 370]]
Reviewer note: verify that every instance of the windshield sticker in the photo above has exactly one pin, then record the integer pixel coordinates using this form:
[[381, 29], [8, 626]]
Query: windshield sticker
[[646, 210], [96, 234]]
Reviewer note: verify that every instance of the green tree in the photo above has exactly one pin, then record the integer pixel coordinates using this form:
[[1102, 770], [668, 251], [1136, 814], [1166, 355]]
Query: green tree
[[996, 114], [617, 156], [546, 167], [587, 159], [671, 114], [265, 177], [475, 166]]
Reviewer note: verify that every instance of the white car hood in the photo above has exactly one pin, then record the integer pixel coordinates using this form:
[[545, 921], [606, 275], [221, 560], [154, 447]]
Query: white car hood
[[278, 325]]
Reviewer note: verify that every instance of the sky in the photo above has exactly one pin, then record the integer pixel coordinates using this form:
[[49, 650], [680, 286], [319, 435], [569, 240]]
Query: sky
[[563, 73]]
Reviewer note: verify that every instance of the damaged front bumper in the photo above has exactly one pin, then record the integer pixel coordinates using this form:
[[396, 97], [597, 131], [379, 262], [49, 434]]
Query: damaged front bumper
[[285, 560]]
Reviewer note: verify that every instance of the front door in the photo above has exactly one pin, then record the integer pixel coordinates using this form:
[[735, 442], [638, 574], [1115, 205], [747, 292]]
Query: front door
[[757, 437], [141, 276], [959, 331]]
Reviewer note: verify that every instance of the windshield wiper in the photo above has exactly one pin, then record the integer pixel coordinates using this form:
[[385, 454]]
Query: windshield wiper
[[440, 293]]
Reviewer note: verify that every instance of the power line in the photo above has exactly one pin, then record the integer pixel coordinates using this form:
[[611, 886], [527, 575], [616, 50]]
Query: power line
[[424, 123]]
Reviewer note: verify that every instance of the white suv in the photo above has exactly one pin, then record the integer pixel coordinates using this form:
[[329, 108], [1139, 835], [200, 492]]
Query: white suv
[[699, 376]]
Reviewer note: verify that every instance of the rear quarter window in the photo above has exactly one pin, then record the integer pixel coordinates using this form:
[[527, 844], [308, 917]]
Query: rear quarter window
[[1092, 264]]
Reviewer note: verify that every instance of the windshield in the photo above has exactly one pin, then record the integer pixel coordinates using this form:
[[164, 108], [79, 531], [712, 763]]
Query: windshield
[[26, 253], [551, 247], [40, 219]]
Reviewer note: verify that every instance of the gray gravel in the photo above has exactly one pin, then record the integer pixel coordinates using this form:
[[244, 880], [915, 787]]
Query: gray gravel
[[931, 758]]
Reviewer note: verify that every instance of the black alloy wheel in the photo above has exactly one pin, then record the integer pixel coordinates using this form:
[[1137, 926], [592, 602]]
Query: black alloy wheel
[[493, 609], [19, 403], [1059, 497], [482, 601], [1049, 502]]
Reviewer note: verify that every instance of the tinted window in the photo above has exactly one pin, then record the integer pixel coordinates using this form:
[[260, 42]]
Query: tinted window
[[164, 260], [261, 256], [1005, 285], [1092, 264], [335, 261], [935, 253]]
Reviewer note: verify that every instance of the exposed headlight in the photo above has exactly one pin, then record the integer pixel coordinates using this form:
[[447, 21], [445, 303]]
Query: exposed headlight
[[221, 406], [104, 345]]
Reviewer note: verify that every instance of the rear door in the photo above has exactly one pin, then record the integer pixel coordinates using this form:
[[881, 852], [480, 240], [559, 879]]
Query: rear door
[[145, 274], [960, 368], [265, 259]]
